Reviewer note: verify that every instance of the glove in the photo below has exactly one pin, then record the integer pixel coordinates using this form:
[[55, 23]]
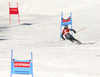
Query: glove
[[74, 31]]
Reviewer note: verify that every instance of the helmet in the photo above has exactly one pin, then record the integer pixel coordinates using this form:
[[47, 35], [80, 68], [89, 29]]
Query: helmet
[[65, 27]]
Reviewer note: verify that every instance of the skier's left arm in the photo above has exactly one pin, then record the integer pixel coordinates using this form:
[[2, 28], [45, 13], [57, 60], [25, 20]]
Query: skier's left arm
[[62, 36]]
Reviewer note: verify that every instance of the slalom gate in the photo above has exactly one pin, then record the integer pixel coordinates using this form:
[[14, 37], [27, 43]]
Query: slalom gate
[[65, 22], [13, 10], [21, 66]]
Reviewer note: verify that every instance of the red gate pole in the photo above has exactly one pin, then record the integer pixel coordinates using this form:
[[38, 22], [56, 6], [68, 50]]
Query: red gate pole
[[19, 19], [9, 15], [18, 15]]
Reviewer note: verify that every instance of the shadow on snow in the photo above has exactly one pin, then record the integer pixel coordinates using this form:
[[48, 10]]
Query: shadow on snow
[[27, 24]]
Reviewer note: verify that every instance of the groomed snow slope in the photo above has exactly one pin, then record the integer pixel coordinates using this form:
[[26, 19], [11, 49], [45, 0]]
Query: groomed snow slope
[[39, 33]]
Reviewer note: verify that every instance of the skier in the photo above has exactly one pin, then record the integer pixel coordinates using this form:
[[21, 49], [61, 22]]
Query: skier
[[68, 36]]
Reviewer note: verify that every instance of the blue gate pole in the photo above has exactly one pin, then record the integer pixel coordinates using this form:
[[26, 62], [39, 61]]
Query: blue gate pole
[[11, 54], [32, 63], [71, 23], [61, 24], [11, 62]]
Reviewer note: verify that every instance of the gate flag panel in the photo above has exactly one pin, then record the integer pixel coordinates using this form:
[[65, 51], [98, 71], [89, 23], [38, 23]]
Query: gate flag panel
[[15, 11], [21, 66]]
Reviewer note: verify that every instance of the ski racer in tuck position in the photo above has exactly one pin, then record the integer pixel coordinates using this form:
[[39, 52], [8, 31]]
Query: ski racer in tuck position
[[68, 36]]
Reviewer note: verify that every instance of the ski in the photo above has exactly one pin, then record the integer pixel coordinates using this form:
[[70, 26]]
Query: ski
[[89, 43]]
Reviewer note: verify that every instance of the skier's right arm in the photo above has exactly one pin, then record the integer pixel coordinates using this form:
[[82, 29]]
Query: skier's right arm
[[62, 36], [72, 30]]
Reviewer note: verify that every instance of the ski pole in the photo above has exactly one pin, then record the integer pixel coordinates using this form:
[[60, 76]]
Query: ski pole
[[81, 29], [60, 41]]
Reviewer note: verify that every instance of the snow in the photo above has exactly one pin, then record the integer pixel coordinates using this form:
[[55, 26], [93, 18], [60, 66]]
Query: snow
[[39, 32]]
